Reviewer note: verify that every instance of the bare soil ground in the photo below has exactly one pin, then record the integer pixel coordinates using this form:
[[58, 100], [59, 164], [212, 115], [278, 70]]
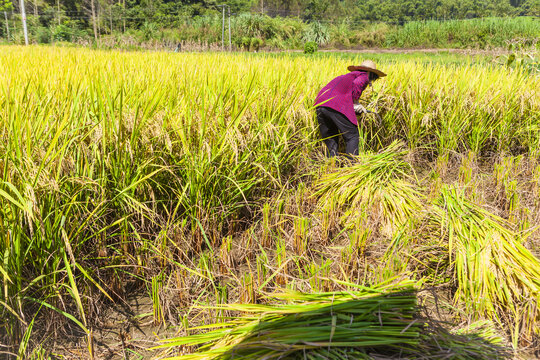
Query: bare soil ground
[[489, 52], [127, 331], [427, 50]]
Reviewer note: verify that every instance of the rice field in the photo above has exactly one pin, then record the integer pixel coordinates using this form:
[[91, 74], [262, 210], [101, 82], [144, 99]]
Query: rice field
[[197, 183]]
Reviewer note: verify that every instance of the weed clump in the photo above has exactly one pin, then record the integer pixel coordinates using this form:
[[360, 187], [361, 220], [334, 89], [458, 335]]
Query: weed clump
[[310, 47]]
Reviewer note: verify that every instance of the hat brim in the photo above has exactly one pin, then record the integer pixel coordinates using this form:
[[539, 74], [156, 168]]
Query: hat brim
[[363, 68]]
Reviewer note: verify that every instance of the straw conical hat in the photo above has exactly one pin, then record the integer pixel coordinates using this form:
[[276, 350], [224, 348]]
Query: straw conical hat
[[367, 65]]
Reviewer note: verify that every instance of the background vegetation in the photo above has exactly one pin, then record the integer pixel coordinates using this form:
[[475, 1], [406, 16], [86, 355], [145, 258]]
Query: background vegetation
[[276, 24]]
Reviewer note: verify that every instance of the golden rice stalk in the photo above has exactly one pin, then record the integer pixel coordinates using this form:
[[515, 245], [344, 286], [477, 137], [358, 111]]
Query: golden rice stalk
[[379, 318], [497, 277], [377, 185]]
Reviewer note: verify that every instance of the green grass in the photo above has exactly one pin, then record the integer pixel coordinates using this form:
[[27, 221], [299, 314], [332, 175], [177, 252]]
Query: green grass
[[474, 33], [441, 57]]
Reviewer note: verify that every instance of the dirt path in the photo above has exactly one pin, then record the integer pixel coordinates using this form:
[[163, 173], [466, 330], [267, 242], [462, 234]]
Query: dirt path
[[491, 52], [431, 51]]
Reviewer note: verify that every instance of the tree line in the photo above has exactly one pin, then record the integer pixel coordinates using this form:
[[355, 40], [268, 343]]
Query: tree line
[[65, 19]]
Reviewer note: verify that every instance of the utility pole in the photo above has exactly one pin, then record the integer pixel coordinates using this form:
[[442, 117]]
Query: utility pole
[[223, 29], [124, 15], [230, 43], [7, 24], [23, 18]]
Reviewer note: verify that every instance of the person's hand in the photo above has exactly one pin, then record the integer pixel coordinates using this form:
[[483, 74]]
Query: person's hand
[[359, 109]]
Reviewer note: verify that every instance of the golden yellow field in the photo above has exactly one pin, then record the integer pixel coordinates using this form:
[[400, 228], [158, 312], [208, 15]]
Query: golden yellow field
[[198, 180]]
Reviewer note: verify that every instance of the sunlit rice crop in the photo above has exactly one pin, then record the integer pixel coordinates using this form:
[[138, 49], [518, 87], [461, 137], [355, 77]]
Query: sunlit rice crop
[[497, 276], [157, 171]]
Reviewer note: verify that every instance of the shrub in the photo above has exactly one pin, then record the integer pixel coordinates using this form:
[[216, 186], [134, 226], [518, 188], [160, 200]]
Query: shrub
[[277, 43], [43, 35], [318, 33], [310, 47], [256, 43], [251, 25], [62, 33], [249, 43], [149, 30]]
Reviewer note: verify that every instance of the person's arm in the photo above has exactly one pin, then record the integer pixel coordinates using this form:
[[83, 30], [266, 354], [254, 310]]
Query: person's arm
[[359, 85]]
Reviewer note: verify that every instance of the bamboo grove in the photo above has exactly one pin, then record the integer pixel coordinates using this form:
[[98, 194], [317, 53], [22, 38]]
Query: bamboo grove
[[199, 180]]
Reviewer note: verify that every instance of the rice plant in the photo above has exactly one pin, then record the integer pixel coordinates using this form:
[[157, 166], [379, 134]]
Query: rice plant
[[322, 323], [375, 185], [497, 277], [199, 178]]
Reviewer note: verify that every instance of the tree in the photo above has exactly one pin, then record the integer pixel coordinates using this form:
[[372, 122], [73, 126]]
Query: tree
[[94, 18], [316, 9], [531, 7], [5, 6]]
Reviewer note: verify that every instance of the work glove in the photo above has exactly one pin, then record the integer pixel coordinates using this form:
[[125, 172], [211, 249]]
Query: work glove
[[359, 109]]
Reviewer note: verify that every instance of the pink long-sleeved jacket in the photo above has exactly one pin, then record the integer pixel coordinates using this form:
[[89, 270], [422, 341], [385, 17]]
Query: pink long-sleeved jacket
[[340, 93]]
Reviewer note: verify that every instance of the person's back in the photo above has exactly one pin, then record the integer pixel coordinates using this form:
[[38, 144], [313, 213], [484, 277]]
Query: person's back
[[338, 93]]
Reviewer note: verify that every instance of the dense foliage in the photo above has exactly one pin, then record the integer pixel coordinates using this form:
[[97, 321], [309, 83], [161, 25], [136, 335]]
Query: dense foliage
[[275, 23]]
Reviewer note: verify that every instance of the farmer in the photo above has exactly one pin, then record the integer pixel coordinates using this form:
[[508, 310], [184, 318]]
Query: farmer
[[337, 106]]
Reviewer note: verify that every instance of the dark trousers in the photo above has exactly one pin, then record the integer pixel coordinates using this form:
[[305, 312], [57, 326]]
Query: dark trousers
[[331, 124]]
